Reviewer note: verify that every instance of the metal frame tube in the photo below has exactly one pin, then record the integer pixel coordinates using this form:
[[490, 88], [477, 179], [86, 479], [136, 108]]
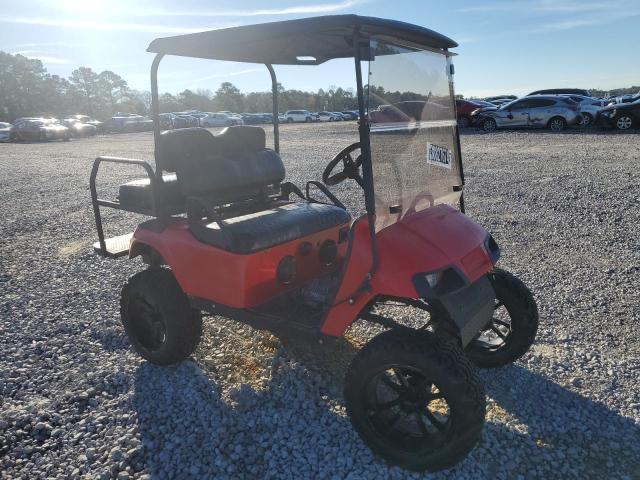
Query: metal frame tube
[[365, 150], [155, 111], [275, 108]]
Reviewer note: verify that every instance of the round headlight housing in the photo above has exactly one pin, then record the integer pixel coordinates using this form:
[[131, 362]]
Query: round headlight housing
[[286, 271]]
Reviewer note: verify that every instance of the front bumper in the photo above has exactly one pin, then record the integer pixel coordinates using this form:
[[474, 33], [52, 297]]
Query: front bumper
[[604, 120]]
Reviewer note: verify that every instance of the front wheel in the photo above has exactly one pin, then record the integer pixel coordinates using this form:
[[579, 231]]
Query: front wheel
[[415, 400], [161, 324], [513, 327], [489, 125], [624, 122]]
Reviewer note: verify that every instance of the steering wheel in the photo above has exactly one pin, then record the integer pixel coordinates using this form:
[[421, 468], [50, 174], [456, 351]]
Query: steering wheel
[[350, 168]]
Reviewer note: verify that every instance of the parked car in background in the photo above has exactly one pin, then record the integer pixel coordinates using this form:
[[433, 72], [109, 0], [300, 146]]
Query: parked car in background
[[298, 116], [589, 107], [166, 121], [496, 97], [327, 117], [628, 98], [464, 109], [622, 116], [561, 91], [220, 119], [500, 101], [78, 128], [548, 111], [128, 123], [350, 115], [86, 119], [255, 118], [5, 131], [38, 129]]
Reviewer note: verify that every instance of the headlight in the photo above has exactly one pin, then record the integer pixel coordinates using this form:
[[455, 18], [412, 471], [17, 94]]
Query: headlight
[[440, 282], [610, 113], [433, 278]]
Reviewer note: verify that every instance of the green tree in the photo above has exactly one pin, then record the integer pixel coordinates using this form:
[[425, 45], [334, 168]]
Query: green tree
[[85, 83], [229, 97], [112, 89]]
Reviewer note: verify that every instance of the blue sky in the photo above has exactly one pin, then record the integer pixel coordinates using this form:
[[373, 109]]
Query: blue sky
[[505, 46]]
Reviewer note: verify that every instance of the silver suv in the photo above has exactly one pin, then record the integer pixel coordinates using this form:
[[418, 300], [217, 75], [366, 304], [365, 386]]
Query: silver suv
[[542, 111]]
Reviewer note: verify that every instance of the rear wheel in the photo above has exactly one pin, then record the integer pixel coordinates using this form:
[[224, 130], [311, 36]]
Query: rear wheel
[[587, 119], [513, 327], [557, 124], [415, 400], [156, 314], [624, 122]]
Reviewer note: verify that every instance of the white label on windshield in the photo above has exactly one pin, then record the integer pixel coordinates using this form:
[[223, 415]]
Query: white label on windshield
[[439, 156]]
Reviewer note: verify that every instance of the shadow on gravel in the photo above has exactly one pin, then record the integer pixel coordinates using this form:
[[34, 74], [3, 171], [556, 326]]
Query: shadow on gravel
[[190, 429], [582, 437]]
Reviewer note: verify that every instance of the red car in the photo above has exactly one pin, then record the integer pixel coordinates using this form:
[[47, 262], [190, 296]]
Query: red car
[[464, 108]]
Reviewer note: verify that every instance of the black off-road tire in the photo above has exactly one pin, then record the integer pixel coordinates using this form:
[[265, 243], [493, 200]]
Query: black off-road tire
[[158, 288], [443, 363], [523, 312]]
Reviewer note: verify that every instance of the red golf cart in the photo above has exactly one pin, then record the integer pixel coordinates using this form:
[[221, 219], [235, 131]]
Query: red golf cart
[[230, 236]]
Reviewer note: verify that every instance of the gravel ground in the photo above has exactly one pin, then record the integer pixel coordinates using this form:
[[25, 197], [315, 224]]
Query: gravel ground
[[78, 403]]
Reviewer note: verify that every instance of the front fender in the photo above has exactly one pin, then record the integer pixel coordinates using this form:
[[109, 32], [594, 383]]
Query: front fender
[[427, 241]]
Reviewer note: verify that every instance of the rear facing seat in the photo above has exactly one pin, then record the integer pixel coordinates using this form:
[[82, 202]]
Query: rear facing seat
[[233, 166]]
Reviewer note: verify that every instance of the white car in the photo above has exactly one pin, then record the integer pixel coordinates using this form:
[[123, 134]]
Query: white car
[[220, 119], [299, 116], [5, 131], [329, 117]]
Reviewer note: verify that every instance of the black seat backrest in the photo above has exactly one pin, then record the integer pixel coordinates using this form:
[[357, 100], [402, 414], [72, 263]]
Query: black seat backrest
[[231, 166]]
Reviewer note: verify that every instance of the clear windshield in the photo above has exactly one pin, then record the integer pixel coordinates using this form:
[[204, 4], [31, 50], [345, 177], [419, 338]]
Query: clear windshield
[[414, 149]]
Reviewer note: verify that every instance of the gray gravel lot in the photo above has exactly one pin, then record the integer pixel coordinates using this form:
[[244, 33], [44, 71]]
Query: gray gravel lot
[[76, 402]]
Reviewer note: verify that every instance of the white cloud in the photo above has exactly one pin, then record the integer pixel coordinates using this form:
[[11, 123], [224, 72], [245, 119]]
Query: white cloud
[[93, 25], [36, 55], [128, 10], [319, 8]]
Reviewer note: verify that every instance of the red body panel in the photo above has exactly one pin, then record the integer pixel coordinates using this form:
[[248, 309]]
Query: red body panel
[[232, 279], [426, 241]]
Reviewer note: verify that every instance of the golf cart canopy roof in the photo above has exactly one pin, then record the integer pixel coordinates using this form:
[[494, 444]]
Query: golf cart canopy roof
[[306, 41]]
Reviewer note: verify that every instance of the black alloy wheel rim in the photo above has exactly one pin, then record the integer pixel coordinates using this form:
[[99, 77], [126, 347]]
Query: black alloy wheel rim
[[148, 326], [496, 333], [407, 409]]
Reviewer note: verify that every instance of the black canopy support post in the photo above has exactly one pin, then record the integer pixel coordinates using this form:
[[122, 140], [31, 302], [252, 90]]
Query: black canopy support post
[[365, 150], [155, 111], [274, 96]]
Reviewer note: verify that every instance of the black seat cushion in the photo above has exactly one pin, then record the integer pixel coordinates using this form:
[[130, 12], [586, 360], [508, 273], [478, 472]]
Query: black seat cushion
[[178, 146], [267, 228], [225, 178], [136, 195]]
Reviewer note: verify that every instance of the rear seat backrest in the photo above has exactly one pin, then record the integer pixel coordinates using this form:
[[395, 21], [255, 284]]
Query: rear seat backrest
[[231, 166]]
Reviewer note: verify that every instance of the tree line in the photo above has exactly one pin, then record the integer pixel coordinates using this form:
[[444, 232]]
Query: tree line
[[27, 89]]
